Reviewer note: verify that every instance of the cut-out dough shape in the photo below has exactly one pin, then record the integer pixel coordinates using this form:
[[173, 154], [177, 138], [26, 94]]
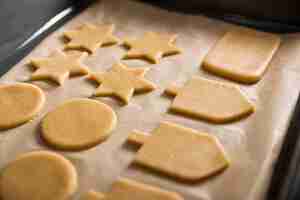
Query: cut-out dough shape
[[90, 37], [183, 153], [152, 46], [242, 55], [210, 100], [122, 82], [59, 66], [38, 175], [125, 189], [92, 195], [78, 124], [19, 103]]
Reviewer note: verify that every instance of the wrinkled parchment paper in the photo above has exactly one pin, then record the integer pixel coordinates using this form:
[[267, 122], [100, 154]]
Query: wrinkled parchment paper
[[252, 144]]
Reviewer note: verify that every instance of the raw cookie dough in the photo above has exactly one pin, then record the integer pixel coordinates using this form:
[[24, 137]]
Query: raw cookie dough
[[125, 189], [152, 46], [39, 175], [78, 124], [210, 100], [242, 55], [183, 153], [59, 66], [92, 195], [122, 82], [90, 37], [19, 103]]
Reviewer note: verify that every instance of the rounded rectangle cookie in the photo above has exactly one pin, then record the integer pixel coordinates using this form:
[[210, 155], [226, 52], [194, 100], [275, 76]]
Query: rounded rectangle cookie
[[242, 55]]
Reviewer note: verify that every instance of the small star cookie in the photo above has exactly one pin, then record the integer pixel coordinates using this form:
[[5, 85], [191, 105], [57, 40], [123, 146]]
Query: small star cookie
[[122, 82], [59, 66], [90, 37], [152, 46], [210, 100], [180, 152]]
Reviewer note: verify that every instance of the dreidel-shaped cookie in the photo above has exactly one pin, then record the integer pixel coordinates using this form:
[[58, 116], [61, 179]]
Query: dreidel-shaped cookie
[[180, 152], [209, 100], [125, 189]]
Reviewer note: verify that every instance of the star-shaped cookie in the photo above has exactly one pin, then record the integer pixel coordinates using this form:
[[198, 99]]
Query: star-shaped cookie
[[59, 66], [90, 37], [152, 46], [121, 82]]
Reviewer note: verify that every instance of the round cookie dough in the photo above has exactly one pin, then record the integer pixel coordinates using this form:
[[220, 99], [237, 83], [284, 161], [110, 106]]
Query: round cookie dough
[[38, 175], [19, 103], [78, 124]]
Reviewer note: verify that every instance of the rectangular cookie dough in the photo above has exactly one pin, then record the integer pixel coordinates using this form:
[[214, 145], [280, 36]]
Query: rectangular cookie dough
[[242, 55]]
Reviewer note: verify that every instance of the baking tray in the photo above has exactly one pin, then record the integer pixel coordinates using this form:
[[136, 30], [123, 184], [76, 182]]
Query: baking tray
[[52, 14]]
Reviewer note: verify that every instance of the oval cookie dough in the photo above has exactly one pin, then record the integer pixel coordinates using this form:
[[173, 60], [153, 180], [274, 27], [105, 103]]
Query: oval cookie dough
[[19, 103], [38, 175], [78, 124]]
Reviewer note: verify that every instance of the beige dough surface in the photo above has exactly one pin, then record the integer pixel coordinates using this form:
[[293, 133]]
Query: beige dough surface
[[122, 82], [242, 55], [210, 100], [59, 66], [78, 124], [39, 175], [152, 46], [89, 37], [183, 153], [126, 189], [92, 195], [19, 103]]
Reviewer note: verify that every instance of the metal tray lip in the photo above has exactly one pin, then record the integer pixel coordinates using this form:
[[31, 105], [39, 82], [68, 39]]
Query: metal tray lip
[[269, 24], [25, 47]]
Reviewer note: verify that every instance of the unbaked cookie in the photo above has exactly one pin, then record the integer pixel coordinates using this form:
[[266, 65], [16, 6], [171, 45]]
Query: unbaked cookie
[[19, 103], [152, 46], [92, 195], [39, 175], [78, 124], [90, 37], [210, 100], [180, 152], [59, 66], [242, 55], [121, 82], [126, 189]]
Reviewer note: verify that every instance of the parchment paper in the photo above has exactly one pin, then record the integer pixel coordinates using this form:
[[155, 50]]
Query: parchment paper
[[252, 144]]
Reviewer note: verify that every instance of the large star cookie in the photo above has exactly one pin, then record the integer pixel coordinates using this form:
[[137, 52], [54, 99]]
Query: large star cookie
[[210, 100], [126, 189], [59, 66], [122, 82], [180, 152], [152, 46], [242, 55], [90, 37]]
